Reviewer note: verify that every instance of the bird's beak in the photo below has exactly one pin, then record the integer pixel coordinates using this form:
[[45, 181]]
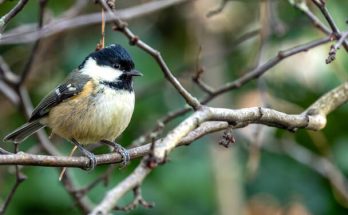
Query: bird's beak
[[134, 73]]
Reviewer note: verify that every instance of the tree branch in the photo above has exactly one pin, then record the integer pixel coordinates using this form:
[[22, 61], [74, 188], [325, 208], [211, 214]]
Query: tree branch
[[6, 18], [26, 34], [239, 118], [314, 118], [28, 65], [24, 159], [135, 40], [20, 177], [302, 6], [334, 48], [246, 78]]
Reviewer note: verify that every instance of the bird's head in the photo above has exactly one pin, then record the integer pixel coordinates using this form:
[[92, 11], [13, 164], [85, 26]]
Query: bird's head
[[112, 63]]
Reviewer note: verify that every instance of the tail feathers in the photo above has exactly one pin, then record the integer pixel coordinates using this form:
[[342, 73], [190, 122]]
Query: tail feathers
[[21, 133]]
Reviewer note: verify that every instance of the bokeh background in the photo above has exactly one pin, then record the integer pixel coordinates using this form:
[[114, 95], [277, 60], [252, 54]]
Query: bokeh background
[[265, 172]]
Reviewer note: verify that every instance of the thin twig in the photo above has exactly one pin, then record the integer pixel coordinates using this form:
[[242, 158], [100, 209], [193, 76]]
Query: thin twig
[[138, 200], [111, 198], [160, 125], [20, 177], [9, 92], [101, 43], [6, 18], [135, 40], [61, 175], [103, 177], [246, 78], [197, 76], [34, 51], [336, 32], [334, 48], [6, 74], [82, 202], [257, 72], [26, 34], [321, 5]]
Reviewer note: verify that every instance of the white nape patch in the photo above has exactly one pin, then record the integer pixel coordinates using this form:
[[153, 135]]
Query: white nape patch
[[72, 88], [58, 92], [99, 72]]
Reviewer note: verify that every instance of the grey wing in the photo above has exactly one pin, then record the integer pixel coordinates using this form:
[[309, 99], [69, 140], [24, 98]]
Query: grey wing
[[72, 86]]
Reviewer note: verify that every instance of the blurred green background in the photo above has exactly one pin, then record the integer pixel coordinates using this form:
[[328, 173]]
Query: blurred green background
[[254, 176]]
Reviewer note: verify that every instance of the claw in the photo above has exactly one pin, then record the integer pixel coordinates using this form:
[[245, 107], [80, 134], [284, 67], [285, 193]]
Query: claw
[[119, 149], [92, 159], [124, 153]]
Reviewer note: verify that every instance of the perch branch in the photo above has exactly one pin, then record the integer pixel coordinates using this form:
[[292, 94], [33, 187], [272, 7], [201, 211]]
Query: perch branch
[[313, 118]]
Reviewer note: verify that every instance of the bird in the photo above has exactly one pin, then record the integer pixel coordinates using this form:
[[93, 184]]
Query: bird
[[94, 104]]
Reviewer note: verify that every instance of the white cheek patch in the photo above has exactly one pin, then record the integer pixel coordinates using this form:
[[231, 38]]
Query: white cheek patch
[[96, 71]]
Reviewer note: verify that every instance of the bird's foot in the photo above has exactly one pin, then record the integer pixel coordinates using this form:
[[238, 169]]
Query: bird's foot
[[119, 149], [92, 159]]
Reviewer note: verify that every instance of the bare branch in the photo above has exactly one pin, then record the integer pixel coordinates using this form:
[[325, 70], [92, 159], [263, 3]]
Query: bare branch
[[335, 31], [314, 118], [6, 74], [82, 202], [103, 177], [203, 121], [251, 75], [197, 76], [241, 117], [28, 65], [258, 71], [81, 162], [6, 18], [334, 48], [20, 177], [135, 40], [9, 92], [155, 132], [302, 5], [26, 34], [138, 200], [321, 5], [329, 101], [129, 183]]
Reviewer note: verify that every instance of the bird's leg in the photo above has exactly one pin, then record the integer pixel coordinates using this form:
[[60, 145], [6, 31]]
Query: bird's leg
[[88, 154], [119, 149]]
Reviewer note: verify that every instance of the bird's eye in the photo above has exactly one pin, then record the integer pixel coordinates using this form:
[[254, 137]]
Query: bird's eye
[[116, 66]]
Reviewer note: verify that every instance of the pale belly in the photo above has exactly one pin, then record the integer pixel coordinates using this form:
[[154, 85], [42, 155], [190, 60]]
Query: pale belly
[[104, 116]]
